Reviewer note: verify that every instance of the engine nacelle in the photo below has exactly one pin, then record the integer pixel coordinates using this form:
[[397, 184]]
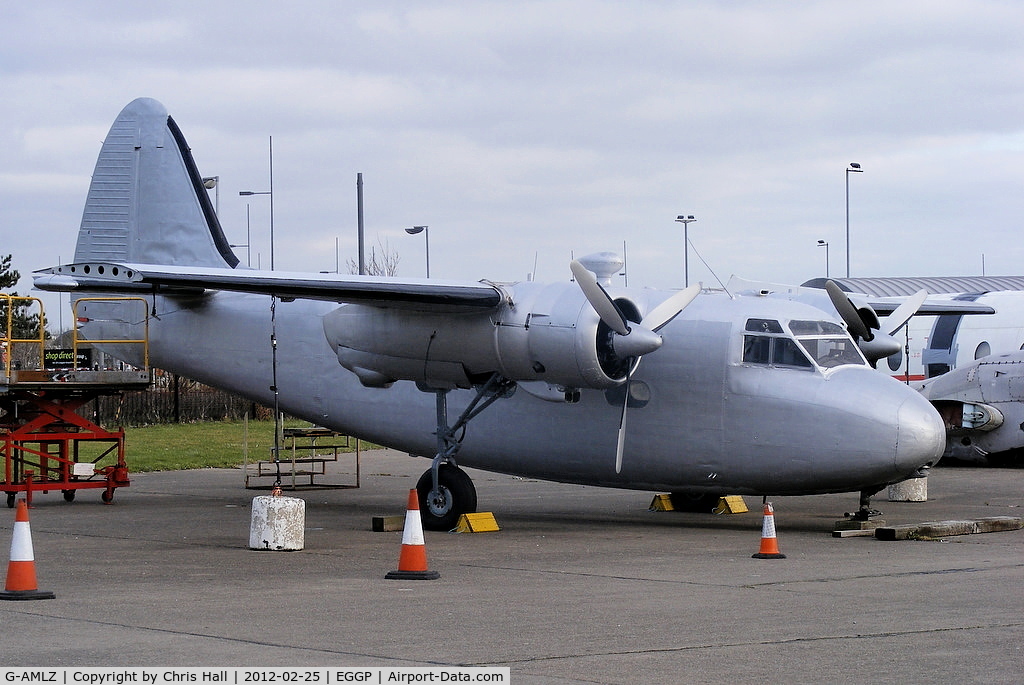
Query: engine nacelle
[[542, 333]]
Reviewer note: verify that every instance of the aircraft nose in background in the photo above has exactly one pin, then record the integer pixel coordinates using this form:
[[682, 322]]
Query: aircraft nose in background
[[922, 434]]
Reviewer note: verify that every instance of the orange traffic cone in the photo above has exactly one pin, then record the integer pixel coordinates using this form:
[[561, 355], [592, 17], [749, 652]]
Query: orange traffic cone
[[769, 543], [412, 564], [21, 571]]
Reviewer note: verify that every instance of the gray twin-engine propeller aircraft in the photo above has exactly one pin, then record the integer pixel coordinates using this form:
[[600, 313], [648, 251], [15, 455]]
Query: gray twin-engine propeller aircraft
[[747, 395]]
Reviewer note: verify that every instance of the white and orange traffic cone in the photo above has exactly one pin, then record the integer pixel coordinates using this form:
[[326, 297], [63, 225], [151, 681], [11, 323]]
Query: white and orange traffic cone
[[21, 571], [769, 543], [412, 564]]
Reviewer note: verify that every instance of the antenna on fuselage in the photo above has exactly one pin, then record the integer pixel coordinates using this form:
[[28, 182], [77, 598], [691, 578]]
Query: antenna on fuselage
[[708, 267]]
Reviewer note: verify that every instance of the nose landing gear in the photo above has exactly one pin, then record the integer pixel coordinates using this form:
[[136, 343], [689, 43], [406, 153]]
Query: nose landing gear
[[865, 512]]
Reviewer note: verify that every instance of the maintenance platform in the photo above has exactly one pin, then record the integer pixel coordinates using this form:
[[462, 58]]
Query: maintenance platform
[[46, 440]]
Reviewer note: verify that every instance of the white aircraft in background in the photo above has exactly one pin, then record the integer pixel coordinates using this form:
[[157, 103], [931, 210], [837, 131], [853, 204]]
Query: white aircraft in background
[[724, 394], [938, 344], [970, 367]]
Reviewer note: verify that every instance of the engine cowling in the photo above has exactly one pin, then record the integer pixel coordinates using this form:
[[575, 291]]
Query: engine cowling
[[542, 333]]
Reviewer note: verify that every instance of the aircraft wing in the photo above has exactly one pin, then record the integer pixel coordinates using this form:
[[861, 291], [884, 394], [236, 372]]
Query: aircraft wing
[[417, 294], [883, 306], [932, 307]]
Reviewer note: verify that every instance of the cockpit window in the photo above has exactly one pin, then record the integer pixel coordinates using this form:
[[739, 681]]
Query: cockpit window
[[827, 343], [786, 353], [767, 343], [829, 352], [763, 326], [815, 328], [757, 349]]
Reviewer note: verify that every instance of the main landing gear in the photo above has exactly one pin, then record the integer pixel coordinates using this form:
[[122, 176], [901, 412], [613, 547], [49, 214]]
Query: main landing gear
[[443, 504], [445, 491]]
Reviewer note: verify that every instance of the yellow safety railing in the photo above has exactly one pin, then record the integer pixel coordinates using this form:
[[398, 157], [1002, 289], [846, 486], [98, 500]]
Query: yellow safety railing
[[7, 342], [144, 341]]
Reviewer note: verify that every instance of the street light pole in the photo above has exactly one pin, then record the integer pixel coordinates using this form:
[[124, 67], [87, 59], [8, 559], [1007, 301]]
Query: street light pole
[[248, 239], [246, 193], [853, 168], [273, 314], [213, 183], [425, 230], [824, 243], [685, 220]]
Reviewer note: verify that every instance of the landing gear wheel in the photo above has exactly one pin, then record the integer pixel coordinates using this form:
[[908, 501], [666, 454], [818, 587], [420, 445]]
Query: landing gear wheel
[[456, 495], [69, 495], [700, 503]]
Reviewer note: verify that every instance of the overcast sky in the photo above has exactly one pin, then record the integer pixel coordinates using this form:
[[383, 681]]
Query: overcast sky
[[531, 131]]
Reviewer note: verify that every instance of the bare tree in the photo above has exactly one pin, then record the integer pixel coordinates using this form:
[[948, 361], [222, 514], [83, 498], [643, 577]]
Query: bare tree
[[384, 263]]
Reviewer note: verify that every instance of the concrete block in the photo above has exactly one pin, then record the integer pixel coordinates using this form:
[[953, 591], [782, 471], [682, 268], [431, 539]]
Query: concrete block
[[278, 523], [388, 524], [910, 490]]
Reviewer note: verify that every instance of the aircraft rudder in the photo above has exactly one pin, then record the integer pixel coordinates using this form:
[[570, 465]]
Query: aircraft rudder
[[146, 202]]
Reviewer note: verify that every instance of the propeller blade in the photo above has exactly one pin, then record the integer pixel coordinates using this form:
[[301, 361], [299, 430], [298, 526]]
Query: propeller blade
[[630, 342], [621, 443], [901, 315], [662, 314], [620, 446], [599, 299], [858, 329]]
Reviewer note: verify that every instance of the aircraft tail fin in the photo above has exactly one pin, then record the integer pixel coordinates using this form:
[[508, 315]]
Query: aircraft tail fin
[[147, 203]]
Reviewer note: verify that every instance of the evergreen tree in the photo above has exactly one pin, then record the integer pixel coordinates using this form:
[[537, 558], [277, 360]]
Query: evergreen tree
[[24, 323]]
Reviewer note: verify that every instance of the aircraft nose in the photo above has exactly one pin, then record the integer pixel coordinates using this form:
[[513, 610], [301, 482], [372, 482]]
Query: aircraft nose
[[922, 435]]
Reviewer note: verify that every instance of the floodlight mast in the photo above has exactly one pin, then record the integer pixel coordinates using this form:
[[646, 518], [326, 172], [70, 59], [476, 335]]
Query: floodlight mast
[[853, 168], [685, 220], [425, 230]]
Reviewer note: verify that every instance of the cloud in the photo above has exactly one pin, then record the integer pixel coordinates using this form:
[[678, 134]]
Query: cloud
[[547, 128]]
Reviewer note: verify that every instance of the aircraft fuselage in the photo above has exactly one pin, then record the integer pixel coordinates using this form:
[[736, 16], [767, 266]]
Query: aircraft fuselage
[[701, 419]]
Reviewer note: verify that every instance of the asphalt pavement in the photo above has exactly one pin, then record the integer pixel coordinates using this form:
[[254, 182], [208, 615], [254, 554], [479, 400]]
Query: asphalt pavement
[[579, 585]]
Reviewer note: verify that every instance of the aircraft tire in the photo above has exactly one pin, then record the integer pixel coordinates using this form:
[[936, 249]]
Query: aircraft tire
[[457, 496], [692, 502]]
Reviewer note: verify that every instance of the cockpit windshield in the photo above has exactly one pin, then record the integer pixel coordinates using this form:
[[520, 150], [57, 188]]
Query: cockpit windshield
[[824, 343], [827, 343]]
